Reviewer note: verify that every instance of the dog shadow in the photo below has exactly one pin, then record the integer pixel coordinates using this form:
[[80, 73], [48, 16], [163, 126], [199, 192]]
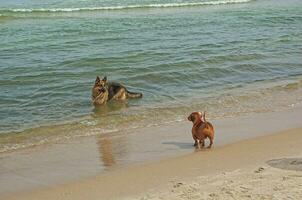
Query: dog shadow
[[181, 145]]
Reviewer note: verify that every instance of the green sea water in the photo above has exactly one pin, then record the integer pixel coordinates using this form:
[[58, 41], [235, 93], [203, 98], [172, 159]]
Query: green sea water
[[229, 57]]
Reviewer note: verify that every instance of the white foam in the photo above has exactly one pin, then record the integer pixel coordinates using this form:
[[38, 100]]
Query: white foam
[[165, 5]]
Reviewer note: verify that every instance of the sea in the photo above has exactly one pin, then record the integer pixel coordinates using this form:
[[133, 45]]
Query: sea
[[225, 57]]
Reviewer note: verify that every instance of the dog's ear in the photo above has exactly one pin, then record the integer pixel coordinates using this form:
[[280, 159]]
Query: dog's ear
[[97, 80], [192, 118], [105, 79]]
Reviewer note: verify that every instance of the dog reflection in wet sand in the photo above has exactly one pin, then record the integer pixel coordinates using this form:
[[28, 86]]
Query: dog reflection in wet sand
[[106, 151], [201, 129]]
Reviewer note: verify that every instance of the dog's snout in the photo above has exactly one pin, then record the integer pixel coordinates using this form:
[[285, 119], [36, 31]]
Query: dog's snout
[[102, 90], [190, 118]]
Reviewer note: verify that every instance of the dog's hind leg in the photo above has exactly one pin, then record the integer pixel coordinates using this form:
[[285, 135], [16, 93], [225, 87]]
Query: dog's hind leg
[[120, 95], [202, 143], [211, 142]]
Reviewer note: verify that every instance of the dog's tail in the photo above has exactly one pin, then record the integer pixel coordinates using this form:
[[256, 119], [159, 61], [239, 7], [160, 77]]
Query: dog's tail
[[134, 94], [204, 118]]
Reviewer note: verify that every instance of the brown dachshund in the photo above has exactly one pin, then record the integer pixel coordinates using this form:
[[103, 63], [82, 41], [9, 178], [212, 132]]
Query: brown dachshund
[[201, 129]]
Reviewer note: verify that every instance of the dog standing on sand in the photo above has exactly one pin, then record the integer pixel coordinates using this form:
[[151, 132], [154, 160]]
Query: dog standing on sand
[[201, 129], [104, 91]]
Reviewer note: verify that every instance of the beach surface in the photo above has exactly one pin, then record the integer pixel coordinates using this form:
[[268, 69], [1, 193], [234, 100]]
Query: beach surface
[[240, 165], [238, 60]]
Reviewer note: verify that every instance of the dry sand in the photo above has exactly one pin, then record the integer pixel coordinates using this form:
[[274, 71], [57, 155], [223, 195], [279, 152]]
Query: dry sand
[[252, 183], [234, 171]]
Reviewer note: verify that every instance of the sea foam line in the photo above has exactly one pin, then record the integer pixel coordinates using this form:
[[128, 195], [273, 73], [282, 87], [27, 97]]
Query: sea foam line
[[167, 5]]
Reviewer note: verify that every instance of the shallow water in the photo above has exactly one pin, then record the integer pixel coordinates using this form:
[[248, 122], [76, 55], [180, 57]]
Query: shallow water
[[226, 57]]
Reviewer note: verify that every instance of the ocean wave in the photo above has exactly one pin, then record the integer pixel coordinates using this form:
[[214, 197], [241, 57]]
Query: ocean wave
[[165, 5]]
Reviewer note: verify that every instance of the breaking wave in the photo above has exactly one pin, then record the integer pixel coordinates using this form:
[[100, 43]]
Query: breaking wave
[[166, 5]]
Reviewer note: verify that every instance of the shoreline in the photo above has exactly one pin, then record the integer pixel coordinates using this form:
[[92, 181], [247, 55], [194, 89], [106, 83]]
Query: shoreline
[[88, 158], [250, 154]]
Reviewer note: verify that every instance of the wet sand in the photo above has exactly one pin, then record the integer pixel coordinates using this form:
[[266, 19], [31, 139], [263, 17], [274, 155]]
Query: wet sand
[[225, 172], [146, 159]]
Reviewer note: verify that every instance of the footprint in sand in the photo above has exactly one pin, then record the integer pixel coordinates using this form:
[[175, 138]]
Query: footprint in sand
[[260, 169], [177, 185]]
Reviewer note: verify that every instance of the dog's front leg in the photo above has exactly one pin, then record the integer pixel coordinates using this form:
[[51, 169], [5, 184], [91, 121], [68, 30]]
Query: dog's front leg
[[198, 144], [195, 143]]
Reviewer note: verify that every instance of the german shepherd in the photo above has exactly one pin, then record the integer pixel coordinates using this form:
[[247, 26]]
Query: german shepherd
[[104, 91]]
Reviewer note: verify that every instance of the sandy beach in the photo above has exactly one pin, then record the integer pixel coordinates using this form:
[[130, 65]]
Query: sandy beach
[[247, 168], [95, 98]]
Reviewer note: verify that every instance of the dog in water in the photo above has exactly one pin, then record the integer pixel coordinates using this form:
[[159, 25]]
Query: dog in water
[[104, 91], [201, 129]]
